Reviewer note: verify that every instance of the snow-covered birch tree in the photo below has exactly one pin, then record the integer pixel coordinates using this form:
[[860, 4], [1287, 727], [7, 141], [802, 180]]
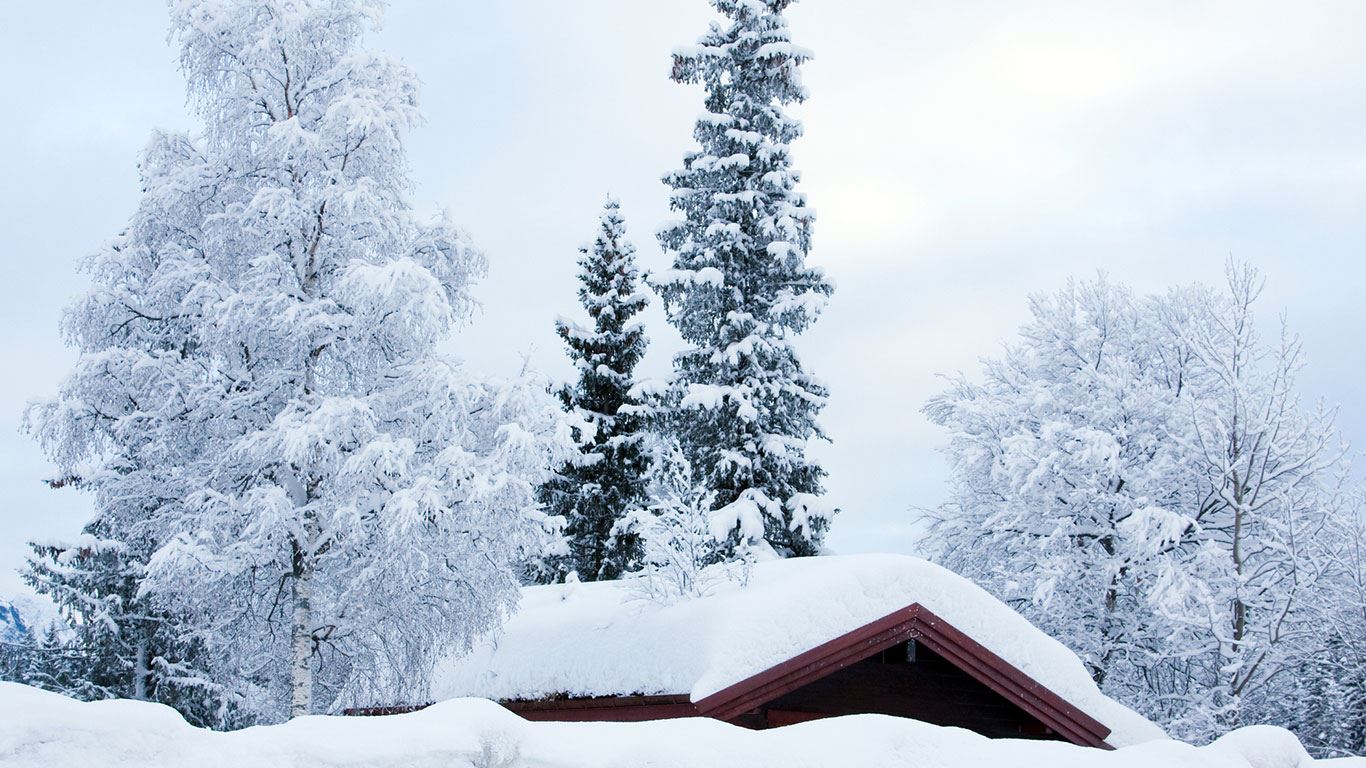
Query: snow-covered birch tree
[[742, 407], [1268, 474], [1064, 467], [596, 489], [1138, 476], [334, 501]]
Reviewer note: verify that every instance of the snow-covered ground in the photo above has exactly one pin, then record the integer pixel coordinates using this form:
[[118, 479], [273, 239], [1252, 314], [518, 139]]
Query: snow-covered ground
[[38, 728], [602, 638]]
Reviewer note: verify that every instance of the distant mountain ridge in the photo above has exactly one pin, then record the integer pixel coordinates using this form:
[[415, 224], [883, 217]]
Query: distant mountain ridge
[[13, 627], [23, 617]]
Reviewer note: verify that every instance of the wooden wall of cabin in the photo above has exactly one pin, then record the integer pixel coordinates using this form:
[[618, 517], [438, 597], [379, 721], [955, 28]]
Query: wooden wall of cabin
[[908, 680]]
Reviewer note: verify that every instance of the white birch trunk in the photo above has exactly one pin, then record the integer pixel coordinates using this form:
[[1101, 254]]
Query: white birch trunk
[[301, 674]]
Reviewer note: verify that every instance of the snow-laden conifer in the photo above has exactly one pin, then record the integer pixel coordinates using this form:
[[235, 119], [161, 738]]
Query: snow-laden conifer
[[332, 501], [1330, 715], [742, 407], [596, 489], [116, 642]]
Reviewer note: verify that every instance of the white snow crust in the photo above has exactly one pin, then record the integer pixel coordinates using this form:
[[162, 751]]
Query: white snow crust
[[602, 638], [44, 729]]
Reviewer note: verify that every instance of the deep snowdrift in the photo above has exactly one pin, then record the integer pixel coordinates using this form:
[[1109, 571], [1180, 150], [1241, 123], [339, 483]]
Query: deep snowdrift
[[595, 639], [43, 729]]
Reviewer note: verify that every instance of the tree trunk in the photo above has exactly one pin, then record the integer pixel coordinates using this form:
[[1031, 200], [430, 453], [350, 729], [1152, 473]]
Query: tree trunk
[[140, 669], [301, 674], [1239, 607]]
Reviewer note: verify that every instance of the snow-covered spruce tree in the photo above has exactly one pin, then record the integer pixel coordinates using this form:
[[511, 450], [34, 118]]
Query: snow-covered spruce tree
[[1137, 477], [334, 503], [741, 406], [1343, 604], [118, 643], [94, 582], [1333, 716], [43, 659], [596, 489]]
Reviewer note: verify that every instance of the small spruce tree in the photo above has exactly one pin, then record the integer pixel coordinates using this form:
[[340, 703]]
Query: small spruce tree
[[741, 406], [607, 479], [119, 644]]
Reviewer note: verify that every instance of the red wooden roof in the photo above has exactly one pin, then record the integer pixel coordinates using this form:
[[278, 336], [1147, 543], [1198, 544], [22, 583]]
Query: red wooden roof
[[914, 622]]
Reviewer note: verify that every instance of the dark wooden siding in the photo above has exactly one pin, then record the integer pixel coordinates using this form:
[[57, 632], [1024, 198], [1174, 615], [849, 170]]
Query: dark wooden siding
[[605, 708], [928, 688]]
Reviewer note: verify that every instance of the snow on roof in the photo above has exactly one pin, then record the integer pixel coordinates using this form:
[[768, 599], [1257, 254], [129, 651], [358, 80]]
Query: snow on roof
[[603, 639]]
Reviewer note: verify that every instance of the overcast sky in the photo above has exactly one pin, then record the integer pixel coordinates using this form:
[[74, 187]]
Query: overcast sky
[[959, 155]]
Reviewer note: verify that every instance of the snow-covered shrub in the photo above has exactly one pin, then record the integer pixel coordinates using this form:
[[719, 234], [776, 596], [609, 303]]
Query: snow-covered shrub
[[686, 547]]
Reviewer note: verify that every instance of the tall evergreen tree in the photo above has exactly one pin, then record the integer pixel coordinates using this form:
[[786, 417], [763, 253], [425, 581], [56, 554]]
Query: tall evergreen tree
[[741, 406], [595, 491]]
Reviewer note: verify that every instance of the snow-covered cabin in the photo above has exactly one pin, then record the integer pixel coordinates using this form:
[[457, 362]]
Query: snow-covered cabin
[[801, 639]]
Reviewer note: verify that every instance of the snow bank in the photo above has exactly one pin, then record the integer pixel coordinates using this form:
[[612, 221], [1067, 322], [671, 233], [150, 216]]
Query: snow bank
[[598, 639], [1264, 746], [38, 728]]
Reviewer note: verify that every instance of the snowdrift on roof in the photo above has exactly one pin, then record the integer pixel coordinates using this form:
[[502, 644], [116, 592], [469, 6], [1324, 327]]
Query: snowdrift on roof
[[38, 728], [602, 639]]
